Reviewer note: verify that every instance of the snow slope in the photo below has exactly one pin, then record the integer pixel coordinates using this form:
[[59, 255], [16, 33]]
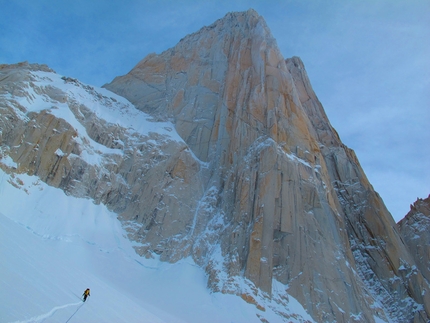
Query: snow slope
[[53, 246]]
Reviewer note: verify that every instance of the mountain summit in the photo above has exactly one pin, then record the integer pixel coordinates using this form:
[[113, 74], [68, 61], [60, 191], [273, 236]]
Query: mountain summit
[[292, 202], [235, 164]]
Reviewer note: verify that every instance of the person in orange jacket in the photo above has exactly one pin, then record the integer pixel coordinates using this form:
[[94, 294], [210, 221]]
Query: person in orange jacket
[[86, 294]]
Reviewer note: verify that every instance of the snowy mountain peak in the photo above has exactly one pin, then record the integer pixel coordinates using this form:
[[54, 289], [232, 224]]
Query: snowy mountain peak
[[217, 153]]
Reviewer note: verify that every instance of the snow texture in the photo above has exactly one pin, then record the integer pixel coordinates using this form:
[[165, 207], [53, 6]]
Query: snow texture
[[54, 246]]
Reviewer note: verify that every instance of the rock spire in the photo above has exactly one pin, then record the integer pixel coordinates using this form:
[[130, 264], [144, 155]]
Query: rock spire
[[239, 169], [293, 201]]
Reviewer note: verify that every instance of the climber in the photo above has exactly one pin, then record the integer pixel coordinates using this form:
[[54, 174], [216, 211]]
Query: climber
[[86, 294]]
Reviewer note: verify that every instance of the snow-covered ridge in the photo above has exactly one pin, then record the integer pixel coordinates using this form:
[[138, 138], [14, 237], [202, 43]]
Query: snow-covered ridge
[[75, 102], [70, 133], [103, 103]]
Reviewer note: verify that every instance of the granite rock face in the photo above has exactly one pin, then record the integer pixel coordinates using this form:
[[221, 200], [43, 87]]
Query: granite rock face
[[229, 158], [415, 231], [94, 144], [296, 206]]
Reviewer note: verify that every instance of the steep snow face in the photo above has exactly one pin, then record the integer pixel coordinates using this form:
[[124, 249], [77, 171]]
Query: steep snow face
[[54, 246]]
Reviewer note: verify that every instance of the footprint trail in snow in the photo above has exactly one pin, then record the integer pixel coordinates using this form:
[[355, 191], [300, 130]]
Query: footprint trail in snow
[[40, 318]]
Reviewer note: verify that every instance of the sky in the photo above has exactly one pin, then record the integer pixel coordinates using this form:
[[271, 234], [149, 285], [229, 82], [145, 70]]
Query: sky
[[368, 62]]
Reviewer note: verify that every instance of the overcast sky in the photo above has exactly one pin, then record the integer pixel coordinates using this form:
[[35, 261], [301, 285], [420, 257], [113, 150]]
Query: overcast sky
[[368, 62]]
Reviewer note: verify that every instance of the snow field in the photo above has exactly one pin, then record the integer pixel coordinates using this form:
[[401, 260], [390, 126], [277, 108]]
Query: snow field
[[53, 247]]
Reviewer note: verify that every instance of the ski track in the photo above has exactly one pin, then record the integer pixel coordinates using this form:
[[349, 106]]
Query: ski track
[[40, 318]]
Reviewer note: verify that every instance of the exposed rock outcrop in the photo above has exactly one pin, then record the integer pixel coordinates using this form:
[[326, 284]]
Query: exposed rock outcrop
[[258, 188], [57, 129], [415, 231], [295, 203]]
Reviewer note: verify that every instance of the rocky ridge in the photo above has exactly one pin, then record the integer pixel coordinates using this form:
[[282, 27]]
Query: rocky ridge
[[242, 171], [415, 231], [93, 144]]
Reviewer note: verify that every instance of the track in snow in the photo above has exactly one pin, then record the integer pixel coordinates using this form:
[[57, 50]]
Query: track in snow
[[41, 318]]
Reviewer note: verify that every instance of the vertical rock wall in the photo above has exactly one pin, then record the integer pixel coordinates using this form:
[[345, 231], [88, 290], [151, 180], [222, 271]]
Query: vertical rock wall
[[261, 190], [295, 203]]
